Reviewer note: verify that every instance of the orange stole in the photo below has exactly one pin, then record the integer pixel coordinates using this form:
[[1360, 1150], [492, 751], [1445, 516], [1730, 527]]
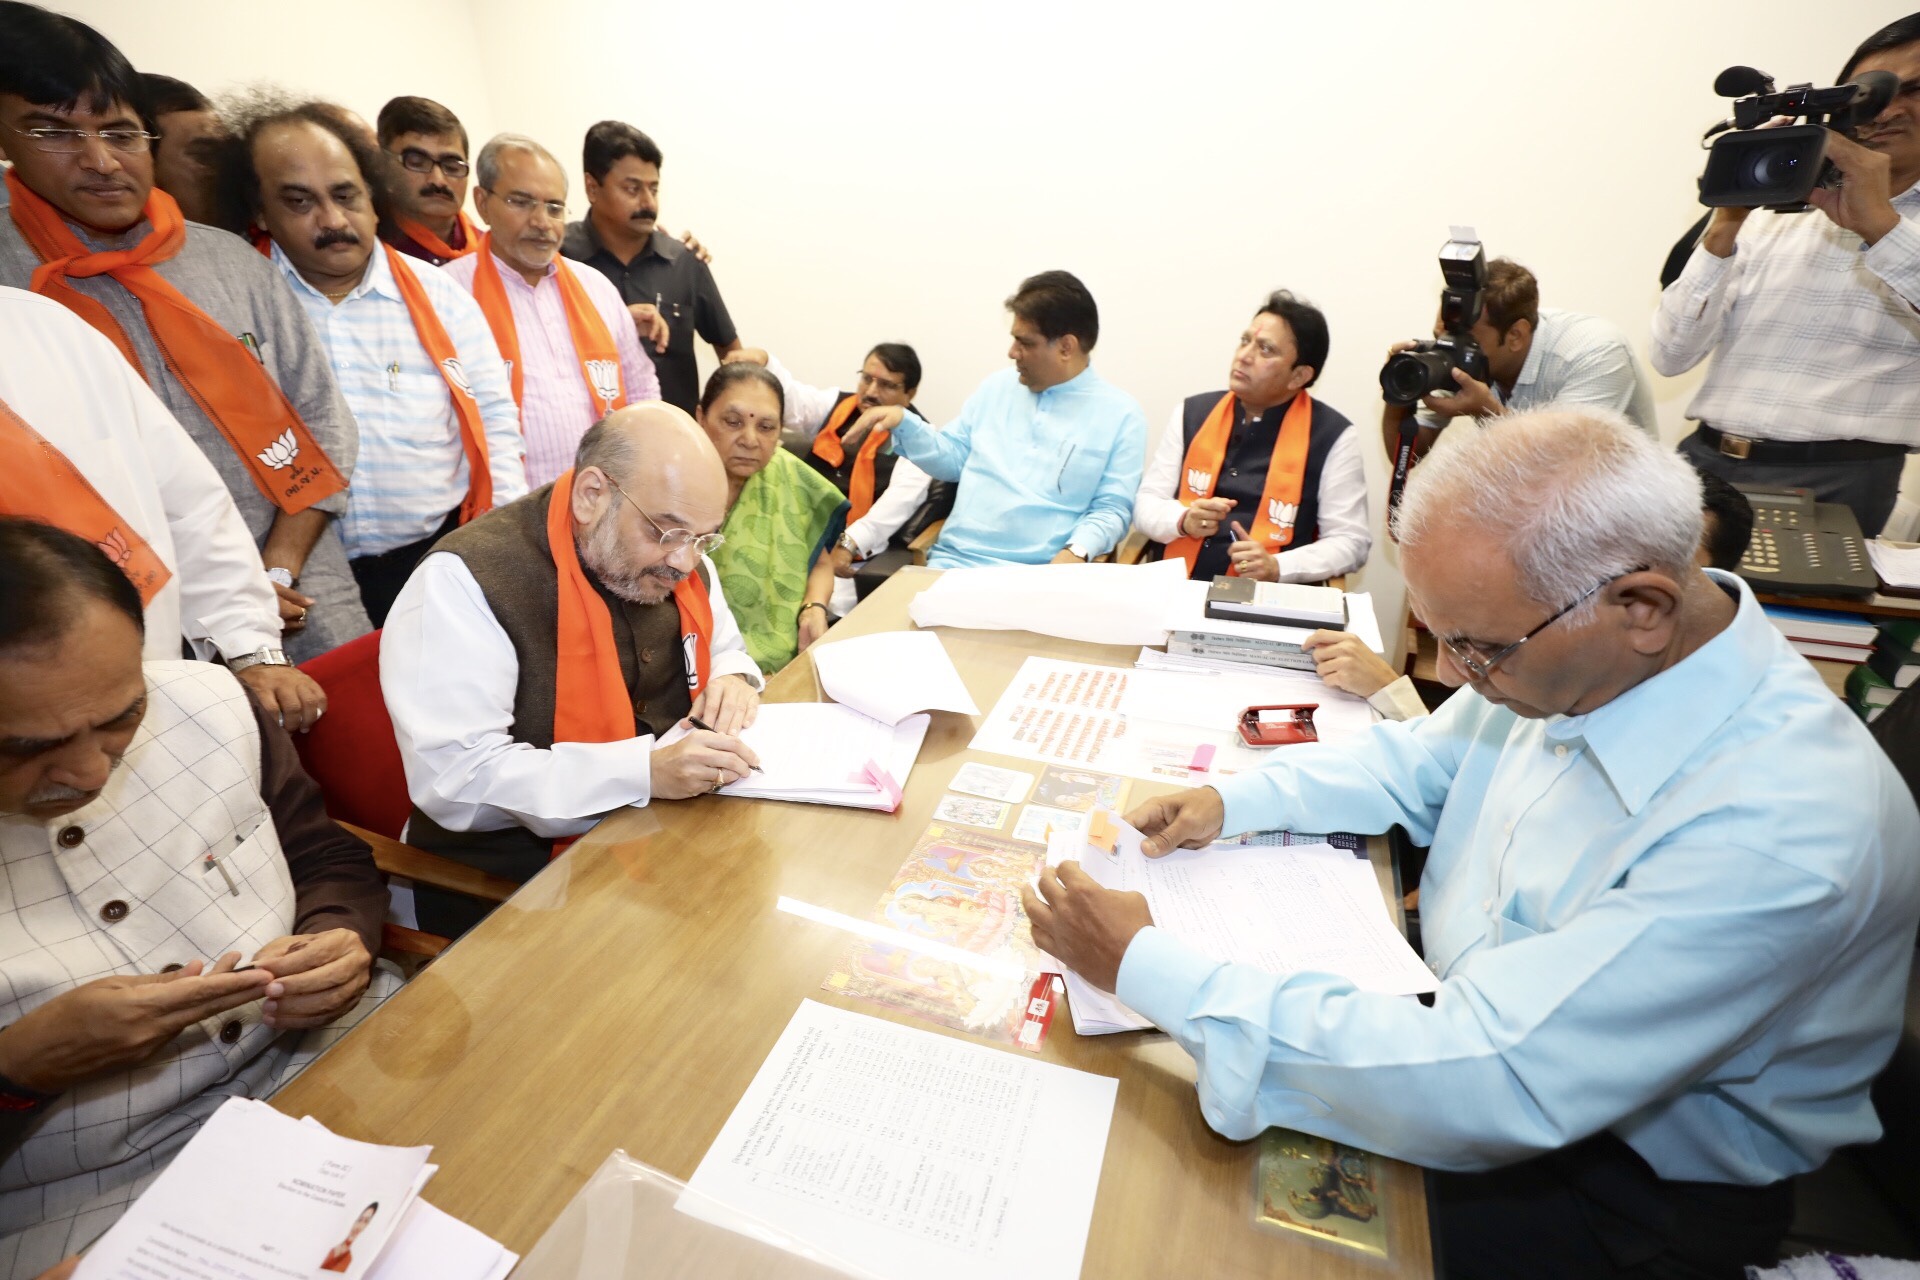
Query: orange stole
[[592, 343], [827, 447], [433, 244], [38, 482], [1286, 474], [223, 376]]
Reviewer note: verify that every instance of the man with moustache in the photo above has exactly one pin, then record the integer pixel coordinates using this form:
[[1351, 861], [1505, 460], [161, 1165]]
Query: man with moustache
[[209, 322], [187, 151], [157, 830], [1810, 318], [666, 285], [429, 219], [439, 432], [1047, 454], [511, 752], [568, 341]]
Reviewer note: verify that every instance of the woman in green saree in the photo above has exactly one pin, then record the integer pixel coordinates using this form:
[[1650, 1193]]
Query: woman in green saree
[[782, 518]]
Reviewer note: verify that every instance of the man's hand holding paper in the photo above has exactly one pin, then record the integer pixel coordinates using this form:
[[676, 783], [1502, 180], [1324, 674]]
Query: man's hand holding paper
[[1186, 820], [1082, 925], [701, 761], [728, 703]]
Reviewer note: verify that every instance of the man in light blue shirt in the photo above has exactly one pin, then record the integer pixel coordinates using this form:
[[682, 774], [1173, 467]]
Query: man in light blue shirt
[[315, 195], [1671, 897], [1048, 453]]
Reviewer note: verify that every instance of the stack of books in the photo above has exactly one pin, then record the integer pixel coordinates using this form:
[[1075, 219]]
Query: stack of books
[[1824, 633], [1874, 684], [1257, 624]]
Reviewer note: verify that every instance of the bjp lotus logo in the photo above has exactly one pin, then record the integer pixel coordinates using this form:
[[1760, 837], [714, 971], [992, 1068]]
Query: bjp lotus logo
[[690, 647], [114, 547], [604, 377], [457, 375], [281, 453], [1199, 481], [1282, 514]]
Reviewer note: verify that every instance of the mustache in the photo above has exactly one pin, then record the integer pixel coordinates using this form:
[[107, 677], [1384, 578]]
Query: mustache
[[335, 235], [664, 572], [644, 215], [57, 794], [435, 189]]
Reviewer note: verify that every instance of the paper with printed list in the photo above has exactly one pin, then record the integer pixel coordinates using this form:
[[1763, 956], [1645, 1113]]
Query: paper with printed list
[[1281, 907], [913, 1155]]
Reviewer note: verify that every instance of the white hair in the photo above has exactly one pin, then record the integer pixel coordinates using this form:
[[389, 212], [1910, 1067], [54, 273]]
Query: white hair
[[1578, 496], [486, 166]]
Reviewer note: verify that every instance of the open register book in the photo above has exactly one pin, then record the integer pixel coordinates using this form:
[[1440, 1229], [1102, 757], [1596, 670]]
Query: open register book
[[824, 753], [1281, 907]]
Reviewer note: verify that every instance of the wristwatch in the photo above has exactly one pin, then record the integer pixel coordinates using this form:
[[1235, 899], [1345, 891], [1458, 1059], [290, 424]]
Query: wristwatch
[[754, 679], [280, 577], [848, 545], [261, 657]]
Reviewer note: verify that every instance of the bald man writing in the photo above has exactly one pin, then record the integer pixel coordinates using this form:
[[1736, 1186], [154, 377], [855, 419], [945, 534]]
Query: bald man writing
[[533, 660]]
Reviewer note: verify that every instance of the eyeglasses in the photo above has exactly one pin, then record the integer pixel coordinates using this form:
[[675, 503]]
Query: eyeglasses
[[868, 380], [1479, 665], [672, 539], [70, 142], [414, 160], [524, 205]]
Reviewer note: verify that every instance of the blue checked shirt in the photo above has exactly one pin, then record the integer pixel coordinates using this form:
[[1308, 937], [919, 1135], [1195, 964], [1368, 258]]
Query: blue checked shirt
[[413, 466], [1578, 359], [1685, 917]]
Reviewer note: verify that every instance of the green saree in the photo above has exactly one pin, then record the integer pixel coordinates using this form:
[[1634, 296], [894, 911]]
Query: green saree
[[785, 517]]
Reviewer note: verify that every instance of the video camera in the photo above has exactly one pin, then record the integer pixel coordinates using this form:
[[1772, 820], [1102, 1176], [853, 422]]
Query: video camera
[[1777, 169], [1428, 365]]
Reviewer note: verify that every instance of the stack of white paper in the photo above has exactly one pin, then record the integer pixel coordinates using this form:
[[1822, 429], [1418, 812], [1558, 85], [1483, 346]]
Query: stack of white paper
[[257, 1195], [1304, 908], [824, 753], [891, 675], [1098, 603], [1897, 563]]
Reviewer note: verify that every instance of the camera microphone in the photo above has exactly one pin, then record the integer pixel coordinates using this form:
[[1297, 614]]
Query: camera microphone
[[1742, 82]]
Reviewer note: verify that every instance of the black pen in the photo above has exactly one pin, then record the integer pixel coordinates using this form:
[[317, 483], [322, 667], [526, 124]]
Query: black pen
[[698, 723], [1060, 479]]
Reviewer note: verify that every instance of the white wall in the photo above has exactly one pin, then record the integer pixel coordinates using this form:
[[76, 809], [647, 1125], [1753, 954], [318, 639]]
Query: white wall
[[868, 170]]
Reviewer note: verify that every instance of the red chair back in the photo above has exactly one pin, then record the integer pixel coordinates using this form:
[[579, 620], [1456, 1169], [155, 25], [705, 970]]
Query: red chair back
[[351, 753]]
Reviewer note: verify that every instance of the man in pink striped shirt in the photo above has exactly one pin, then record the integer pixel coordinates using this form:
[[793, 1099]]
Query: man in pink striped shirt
[[521, 194]]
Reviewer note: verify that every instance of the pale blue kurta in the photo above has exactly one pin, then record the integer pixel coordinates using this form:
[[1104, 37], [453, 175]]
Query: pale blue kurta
[[1686, 917]]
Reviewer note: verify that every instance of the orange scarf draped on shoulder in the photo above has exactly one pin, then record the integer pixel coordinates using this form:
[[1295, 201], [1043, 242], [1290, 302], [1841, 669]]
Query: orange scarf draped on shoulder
[[440, 349], [1286, 474], [827, 447], [592, 342], [38, 482], [433, 244], [224, 377]]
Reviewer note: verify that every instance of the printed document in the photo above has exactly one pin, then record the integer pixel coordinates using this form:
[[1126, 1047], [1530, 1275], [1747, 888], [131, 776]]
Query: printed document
[[913, 1155], [891, 675]]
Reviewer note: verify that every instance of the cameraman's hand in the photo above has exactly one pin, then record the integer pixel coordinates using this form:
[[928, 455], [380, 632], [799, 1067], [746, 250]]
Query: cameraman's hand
[[1474, 399], [1863, 203]]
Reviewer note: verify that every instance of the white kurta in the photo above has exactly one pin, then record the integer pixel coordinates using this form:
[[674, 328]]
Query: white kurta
[[70, 384], [449, 674]]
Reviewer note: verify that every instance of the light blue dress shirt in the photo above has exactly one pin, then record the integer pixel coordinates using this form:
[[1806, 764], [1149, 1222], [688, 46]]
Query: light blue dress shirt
[[1037, 472], [1686, 917], [413, 464]]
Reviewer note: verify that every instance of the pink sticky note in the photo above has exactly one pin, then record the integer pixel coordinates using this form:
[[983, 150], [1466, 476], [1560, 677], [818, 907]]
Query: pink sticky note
[[882, 779], [1202, 758]]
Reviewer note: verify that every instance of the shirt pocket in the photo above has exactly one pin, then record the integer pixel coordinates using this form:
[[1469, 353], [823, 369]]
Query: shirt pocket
[[1507, 930], [1073, 472]]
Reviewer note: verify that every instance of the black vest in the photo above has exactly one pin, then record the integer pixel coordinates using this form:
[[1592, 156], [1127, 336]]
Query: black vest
[[1243, 471]]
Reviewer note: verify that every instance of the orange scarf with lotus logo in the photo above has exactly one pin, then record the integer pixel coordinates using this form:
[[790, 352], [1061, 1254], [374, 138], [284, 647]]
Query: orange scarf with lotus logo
[[38, 482], [592, 343], [1286, 474], [222, 374]]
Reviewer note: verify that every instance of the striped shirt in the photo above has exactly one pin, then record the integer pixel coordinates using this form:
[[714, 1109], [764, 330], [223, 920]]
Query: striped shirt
[[556, 406], [413, 464], [1577, 359], [1813, 333]]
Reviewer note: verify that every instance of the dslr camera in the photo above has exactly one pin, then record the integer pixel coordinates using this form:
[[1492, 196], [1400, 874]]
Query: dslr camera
[[1428, 365], [1755, 168]]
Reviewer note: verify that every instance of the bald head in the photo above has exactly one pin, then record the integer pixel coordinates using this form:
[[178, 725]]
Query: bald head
[[671, 478]]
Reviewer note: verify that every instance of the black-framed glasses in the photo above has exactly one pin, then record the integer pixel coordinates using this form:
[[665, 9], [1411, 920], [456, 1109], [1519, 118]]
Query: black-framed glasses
[[672, 539], [1480, 665], [524, 204], [880, 384], [417, 160], [71, 142]]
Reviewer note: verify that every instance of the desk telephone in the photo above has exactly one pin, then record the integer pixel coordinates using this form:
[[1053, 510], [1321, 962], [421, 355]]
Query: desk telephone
[[1804, 547]]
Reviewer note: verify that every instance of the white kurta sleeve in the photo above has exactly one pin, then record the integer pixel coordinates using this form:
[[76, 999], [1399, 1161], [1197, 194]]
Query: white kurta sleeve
[[1157, 507], [1345, 537]]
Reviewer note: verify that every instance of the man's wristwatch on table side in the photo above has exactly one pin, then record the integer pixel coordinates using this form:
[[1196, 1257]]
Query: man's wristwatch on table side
[[280, 577], [848, 545], [261, 657]]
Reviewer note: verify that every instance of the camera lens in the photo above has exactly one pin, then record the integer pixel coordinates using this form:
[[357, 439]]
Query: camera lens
[[1775, 167], [1408, 375]]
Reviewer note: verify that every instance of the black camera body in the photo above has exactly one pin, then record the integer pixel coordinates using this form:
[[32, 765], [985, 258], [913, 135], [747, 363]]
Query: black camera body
[[1428, 366], [1755, 168]]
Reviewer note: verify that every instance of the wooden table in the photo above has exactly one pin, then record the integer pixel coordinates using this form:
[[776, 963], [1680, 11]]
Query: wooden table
[[626, 996]]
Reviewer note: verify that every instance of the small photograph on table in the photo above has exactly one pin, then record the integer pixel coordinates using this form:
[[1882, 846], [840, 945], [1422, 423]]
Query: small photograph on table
[[1320, 1188], [992, 782], [1037, 819], [1079, 790], [972, 811]]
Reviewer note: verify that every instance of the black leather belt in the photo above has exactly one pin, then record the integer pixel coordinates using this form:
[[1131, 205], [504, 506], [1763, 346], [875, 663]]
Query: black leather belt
[[1802, 452]]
